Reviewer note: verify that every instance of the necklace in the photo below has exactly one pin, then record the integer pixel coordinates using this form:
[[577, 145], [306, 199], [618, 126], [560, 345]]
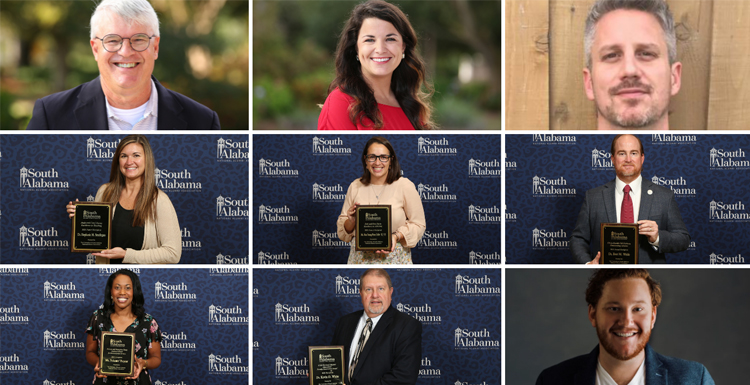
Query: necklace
[[377, 196]]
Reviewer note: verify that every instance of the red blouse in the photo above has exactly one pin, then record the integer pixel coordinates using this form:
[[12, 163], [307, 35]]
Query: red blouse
[[335, 115]]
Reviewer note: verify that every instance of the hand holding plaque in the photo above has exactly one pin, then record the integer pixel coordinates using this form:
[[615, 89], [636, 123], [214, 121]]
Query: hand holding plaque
[[373, 228], [92, 227], [619, 243], [326, 365]]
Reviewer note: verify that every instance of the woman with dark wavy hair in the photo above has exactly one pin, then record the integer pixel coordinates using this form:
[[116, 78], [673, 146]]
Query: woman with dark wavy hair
[[380, 77], [382, 184], [144, 223], [123, 312]]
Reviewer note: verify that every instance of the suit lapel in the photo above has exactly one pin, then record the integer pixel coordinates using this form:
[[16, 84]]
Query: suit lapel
[[170, 110], [646, 200], [587, 374], [656, 373], [91, 110], [377, 332], [608, 197]]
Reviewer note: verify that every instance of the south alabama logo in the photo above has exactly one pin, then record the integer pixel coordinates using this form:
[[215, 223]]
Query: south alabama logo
[[222, 259], [546, 240], [324, 240], [323, 146], [728, 160], [269, 168], [480, 258], [100, 150], [266, 258], [429, 193], [482, 169], [12, 364], [601, 159], [720, 259], [346, 286], [176, 180], [276, 215], [12, 315], [31, 179], [218, 364], [54, 291], [61, 341], [677, 185], [299, 315], [287, 367], [466, 285], [728, 212], [439, 240], [428, 146], [469, 339], [327, 193], [553, 139], [177, 342], [551, 187], [422, 313], [661, 139], [30, 238], [231, 150], [226, 315], [228, 208], [479, 214], [164, 291]]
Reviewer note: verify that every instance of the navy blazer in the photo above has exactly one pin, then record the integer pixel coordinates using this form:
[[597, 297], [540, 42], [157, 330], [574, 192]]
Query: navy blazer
[[392, 354], [659, 206], [660, 370], [84, 108]]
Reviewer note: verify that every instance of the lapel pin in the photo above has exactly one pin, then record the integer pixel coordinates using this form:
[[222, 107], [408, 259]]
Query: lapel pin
[[650, 192]]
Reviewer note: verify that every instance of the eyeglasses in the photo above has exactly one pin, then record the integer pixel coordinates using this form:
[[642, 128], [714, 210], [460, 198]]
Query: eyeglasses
[[383, 158], [138, 42]]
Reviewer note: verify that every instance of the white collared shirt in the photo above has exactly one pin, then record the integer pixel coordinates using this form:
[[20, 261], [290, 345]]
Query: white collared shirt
[[143, 117], [635, 195], [603, 378], [360, 326]]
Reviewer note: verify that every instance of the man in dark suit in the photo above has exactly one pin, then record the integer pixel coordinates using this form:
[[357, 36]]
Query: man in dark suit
[[660, 226], [381, 344], [125, 43], [622, 308]]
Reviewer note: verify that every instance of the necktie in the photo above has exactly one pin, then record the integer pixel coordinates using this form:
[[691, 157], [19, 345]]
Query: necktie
[[626, 211], [362, 341]]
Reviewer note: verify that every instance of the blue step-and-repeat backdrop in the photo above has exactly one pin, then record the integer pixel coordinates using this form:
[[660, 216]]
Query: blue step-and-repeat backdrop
[[205, 176], [203, 314], [300, 182], [459, 310], [547, 176]]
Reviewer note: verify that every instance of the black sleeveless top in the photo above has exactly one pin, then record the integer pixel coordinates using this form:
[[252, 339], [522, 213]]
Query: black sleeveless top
[[123, 233]]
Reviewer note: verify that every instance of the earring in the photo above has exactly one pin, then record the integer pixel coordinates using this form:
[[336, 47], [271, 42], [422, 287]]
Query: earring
[[357, 56], [403, 56]]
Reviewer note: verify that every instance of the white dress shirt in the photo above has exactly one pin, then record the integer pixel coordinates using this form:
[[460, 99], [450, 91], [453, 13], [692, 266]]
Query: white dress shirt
[[635, 195], [603, 378], [360, 326], [143, 117]]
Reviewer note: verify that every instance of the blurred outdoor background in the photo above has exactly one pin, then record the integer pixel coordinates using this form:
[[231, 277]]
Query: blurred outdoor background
[[294, 43], [203, 54]]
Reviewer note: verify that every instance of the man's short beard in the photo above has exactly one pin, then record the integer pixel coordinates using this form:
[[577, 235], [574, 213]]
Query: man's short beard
[[604, 342], [651, 116]]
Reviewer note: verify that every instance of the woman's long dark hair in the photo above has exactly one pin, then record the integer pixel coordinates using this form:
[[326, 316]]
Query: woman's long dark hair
[[394, 171], [145, 203], [136, 304], [408, 78]]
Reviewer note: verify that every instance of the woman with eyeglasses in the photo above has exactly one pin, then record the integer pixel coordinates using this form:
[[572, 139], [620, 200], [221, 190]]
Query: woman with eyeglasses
[[382, 184]]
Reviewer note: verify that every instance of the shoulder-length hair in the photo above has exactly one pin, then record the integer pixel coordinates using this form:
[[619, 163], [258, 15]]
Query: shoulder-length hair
[[394, 172], [138, 301], [408, 81], [145, 204]]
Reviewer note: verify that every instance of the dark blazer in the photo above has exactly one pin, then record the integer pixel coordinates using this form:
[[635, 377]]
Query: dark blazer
[[660, 370], [392, 354], [84, 108], [659, 206]]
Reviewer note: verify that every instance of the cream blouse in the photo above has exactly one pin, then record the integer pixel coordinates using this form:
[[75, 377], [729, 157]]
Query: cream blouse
[[407, 213]]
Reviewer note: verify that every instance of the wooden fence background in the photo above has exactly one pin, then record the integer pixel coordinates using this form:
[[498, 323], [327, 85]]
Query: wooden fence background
[[544, 65]]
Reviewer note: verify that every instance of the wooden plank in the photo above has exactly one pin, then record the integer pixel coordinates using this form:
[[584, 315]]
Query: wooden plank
[[571, 110], [527, 65], [729, 96], [689, 108]]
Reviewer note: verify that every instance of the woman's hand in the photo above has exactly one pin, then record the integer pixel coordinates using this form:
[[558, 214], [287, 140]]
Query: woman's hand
[[351, 219], [136, 369], [115, 253], [96, 372], [395, 238], [71, 209]]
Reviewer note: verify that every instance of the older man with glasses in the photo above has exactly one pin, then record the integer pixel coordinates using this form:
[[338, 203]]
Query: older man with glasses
[[125, 96]]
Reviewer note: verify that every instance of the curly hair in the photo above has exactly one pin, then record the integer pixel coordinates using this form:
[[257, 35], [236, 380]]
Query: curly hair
[[408, 82]]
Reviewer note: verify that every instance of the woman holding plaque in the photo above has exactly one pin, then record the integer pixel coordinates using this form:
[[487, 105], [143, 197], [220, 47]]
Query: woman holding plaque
[[123, 312], [382, 184], [144, 223], [380, 79]]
